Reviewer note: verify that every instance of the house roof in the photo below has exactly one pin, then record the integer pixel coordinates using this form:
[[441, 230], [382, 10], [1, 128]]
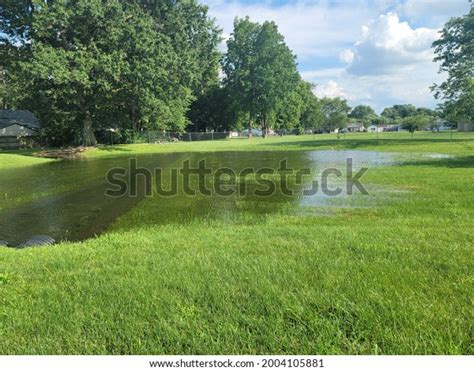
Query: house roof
[[12, 117]]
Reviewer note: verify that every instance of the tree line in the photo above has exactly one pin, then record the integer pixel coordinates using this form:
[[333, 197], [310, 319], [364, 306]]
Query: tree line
[[86, 66]]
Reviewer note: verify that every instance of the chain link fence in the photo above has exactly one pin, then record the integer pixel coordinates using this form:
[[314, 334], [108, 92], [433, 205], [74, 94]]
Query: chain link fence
[[157, 137], [164, 137]]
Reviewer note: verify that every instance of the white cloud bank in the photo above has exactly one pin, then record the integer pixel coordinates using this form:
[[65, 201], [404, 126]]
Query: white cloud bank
[[388, 45], [391, 63]]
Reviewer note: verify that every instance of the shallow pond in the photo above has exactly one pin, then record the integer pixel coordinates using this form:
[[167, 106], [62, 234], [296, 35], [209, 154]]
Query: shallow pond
[[67, 199]]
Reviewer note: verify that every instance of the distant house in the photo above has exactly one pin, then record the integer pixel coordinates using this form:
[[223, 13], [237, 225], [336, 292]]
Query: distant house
[[18, 123], [376, 128], [397, 127], [17, 128], [355, 128]]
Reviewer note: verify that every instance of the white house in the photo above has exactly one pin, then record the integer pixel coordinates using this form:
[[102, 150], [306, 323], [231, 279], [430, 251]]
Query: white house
[[376, 129]]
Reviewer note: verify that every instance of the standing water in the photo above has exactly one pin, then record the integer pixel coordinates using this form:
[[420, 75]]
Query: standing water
[[67, 199]]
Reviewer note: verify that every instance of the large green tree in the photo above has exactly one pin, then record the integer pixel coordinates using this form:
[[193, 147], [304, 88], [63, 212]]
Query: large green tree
[[455, 50], [260, 70], [83, 65], [416, 122]]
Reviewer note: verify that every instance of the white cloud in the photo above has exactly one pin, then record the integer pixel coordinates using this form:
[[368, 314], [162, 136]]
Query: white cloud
[[330, 90], [390, 64], [412, 85], [347, 56], [388, 45]]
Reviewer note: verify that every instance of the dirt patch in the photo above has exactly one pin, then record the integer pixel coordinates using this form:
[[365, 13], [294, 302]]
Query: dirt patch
[[62, 153]]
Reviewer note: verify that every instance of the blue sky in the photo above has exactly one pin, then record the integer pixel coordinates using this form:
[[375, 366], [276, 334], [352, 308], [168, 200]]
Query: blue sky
[[374, 52]]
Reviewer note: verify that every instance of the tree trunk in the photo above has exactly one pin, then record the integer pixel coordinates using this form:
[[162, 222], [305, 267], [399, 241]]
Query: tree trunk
[[264, 127], [88, 137], [132, 117], [250, 125]]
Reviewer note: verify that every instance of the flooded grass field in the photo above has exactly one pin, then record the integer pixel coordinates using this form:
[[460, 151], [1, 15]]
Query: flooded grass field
[[390, 272], [69, 202]]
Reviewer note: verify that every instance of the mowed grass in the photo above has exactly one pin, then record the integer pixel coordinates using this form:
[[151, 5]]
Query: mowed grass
[[422, 142], [396, 279], [22, 159]]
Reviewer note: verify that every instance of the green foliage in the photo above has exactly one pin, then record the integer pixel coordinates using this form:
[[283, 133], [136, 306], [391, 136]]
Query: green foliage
[[194, 38], [461, 109], [260, 70], [407, 115], [289, 111], [380, 120], [455, 50], [300, 109], [426, 112], [364, 114], [213, 110], [417, 122], [100, 64], [337, 120], [15, 26], [335, 111], [311, 114], [3, 90], [399, 111]]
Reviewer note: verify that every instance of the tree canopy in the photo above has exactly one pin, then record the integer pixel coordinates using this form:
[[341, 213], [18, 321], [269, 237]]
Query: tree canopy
[[83, 65], [416, 122], [364, 114], [399, 111], [455, 50], [335, 112]]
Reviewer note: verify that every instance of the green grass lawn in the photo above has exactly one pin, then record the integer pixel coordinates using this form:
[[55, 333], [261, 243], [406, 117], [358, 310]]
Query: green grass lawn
[[396, 279], [422, 142], [13, 160]]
